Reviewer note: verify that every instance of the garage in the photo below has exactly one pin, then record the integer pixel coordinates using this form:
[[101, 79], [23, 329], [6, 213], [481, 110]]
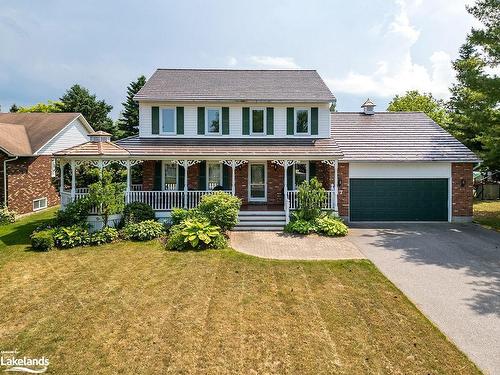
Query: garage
[[398, 199]]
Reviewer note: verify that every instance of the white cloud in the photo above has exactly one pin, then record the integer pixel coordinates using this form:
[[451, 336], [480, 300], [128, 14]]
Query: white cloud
[[232, 61], [274, 62], [397, 72]]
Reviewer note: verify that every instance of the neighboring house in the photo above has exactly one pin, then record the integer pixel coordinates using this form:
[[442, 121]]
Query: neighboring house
[[27, 142], [259, 133]]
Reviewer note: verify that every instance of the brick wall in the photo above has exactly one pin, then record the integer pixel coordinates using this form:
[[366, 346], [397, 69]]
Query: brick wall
[[462, 195], [241, 177], [343, 194], [148, 174], [30, 178]]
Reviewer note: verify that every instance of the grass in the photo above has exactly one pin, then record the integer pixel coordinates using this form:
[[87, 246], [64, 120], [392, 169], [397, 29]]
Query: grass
[[134, 308], [487, 213]]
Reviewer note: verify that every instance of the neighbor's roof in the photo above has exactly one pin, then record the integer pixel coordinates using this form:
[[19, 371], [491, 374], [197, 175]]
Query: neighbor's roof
[[227, 85], [274, 148], [22, 134], [395, 136]]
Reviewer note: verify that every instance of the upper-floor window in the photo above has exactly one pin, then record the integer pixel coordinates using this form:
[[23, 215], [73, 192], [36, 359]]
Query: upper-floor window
[[257, 120], [167, 120], [302, 121], [214, 173], [213, 120]]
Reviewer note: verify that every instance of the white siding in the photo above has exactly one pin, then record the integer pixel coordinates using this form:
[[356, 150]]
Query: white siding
[[235, 117], [400, 170], [73, 134]]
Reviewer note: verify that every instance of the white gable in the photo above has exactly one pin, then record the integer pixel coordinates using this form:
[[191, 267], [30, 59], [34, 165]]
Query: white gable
[[75, 133]]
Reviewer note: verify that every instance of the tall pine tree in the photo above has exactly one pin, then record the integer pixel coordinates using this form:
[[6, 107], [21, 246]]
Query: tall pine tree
[[79, 99], [129, 120], [475, 101]]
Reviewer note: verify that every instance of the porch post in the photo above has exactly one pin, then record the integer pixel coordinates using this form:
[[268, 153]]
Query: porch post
[[336, 167], [73, 180], [285, 187], [61, 169], [129, 182], [185, 162], [233, 186]]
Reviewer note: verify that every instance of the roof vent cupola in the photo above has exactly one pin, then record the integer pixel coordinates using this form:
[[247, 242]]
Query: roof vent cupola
[[99, 136], [368, 107]]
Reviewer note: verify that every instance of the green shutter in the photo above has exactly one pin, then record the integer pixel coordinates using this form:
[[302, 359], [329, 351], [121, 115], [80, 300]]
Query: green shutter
[[201, 120], [202, 175], [289, 178], [314, 121], [289, 121], [180, 120], [157, 176], [225, 120], [180, 178], [312, 169], [270, 121], [226, 177], [155, 120], [246, 120]]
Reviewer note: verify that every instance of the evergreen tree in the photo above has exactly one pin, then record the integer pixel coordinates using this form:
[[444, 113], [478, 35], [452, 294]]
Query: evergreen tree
[[79, 99], [415, 101], [475, 101], [14, 108], [129, 120], [333, 106]]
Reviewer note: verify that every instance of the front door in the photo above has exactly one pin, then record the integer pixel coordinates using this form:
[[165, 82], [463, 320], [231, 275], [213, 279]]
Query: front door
[[257, 191]]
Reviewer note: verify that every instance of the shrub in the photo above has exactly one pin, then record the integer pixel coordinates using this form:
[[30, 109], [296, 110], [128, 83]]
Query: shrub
[[43, 240], [75, 235], [143, 231], [331, 226], [75, 213], [6, 216], [105, 235], [107, 196], [300, 226], [221, 209], [310, 196], [195, 234], [178, 215], [136, 212]]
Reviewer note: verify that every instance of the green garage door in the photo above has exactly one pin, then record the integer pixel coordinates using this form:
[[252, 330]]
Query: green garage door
[[399, 199]]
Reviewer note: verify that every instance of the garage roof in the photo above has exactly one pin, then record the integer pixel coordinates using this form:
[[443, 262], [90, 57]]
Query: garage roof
[[395, 136]]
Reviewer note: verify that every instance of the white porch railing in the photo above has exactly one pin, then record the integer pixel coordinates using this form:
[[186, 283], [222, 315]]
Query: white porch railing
[[329, 203]]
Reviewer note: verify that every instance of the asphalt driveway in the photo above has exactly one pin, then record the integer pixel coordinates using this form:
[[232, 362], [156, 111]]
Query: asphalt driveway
[[451, 272]]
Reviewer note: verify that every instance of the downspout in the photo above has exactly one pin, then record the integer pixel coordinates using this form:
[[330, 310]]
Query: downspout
[[5, 179]]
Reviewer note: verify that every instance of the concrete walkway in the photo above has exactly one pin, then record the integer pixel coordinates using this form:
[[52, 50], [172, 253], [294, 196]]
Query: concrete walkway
[[451, 272], [279, 245]]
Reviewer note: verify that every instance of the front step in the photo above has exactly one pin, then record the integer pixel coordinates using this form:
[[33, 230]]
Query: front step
[[261, 220]]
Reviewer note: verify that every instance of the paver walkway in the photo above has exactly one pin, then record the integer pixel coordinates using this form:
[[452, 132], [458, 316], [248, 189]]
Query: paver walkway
[[279, 245]]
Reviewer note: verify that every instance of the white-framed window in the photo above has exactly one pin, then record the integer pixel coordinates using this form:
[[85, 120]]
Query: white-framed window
[[170, 176], [258, 121], [53, 168], [302, 121], [168, 120], [214, 175], [213, 120], [300, 174], [39, 204]]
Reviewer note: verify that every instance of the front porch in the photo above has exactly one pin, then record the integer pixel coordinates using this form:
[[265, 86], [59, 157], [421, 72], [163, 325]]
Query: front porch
[[262, 185]]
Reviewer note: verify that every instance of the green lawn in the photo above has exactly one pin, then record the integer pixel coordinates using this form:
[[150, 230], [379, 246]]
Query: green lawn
[[134, 308], [487, 213]]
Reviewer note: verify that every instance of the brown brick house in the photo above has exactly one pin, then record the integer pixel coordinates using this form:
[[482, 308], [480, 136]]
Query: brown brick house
[[258, 134], [27, 141]]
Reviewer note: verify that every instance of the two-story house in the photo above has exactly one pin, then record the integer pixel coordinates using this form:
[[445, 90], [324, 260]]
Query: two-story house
[[258, 134]]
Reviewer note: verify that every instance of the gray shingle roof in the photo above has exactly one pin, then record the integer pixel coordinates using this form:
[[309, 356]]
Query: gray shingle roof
[[395, 136], [220, 84]]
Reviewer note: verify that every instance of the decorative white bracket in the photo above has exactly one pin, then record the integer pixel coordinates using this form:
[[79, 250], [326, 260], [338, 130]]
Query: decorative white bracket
[[128, 162], [233, 163], [331, 163], [285, 163], [185, 163]]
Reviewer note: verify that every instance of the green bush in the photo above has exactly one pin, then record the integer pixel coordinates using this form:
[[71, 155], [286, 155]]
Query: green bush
[[6, 216], [143, 231], [310, 196], [75, 213], [68, 237], [178, 215], [107, 196], [105, 235], [221, 209], [195, 234], [300, 226], [136, 212], [43, 240], [331, 226]]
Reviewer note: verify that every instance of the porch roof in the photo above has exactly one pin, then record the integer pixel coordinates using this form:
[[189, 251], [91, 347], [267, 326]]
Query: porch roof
[[304, 148]]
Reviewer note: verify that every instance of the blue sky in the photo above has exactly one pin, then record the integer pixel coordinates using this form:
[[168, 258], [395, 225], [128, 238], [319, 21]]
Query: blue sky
[[375, 48]]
